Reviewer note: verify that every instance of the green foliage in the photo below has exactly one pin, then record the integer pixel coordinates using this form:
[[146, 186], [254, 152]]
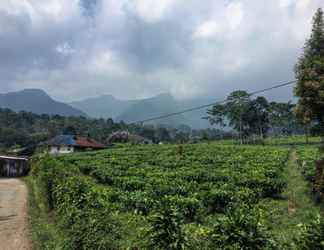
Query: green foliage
[[254, 116], [241, 228], [83, 208], [102, 198], [306, 161], [26, 129], [312, 235], [166, 229], [310, 75]]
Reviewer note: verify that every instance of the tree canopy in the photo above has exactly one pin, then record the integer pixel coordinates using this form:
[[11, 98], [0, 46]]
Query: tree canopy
[[309, 72]]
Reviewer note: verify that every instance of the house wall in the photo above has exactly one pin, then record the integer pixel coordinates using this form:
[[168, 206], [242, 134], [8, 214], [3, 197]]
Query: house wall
[[61, 150]]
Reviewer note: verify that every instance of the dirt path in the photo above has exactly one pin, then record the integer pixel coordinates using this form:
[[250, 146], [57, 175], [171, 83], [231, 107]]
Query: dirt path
[[298, 190], [13, 215], [297, 205]]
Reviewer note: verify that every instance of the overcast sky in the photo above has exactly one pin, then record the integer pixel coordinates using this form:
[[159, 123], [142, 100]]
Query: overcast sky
[[75, 49]]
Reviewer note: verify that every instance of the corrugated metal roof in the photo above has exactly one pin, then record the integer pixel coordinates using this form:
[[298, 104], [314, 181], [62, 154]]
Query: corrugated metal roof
[[76, 141], [66, 140], [13, 158], [88, 143]]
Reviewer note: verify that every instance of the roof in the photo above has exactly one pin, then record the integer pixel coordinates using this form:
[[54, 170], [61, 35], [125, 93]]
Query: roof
[[88, 143], [75, 141], [13, 158]]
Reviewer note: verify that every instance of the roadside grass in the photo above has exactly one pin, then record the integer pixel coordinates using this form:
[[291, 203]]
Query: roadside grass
[[294, 208], [45, 234]]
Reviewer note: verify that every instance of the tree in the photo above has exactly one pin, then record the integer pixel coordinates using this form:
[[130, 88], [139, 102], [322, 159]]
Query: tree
[[240, 112], [260, 116], [162, 135], [69, 130], [309, 72]]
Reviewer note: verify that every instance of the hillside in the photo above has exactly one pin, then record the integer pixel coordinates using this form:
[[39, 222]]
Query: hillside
[[38, 102], [152, 107], [107, 106]]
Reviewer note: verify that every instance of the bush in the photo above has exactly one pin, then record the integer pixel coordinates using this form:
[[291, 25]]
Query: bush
[[312, 235], [166, 229], [241, 228]]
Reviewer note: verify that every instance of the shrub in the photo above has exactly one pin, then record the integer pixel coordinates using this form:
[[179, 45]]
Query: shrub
[[166, 229], [312, 235], [241, 228]]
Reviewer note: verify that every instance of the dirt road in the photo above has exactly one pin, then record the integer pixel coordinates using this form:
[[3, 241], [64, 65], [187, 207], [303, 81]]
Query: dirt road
[[13, 215]]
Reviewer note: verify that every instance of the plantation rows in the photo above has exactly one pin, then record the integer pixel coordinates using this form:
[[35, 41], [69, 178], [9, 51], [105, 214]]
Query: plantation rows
[[312, 167], [306, 160], [196, 176], [128, 197]]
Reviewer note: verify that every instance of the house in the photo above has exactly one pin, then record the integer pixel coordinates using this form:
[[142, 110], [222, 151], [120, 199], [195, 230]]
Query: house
[[126, 137], [11, 166], [137, 139], [64, 144]]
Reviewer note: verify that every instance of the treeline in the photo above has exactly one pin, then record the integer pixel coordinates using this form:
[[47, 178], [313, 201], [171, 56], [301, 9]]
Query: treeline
[[257, 117], [241, 117], [26, 129]]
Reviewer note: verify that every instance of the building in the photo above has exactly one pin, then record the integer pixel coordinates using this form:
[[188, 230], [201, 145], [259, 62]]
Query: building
[[64, 144], [11, 166], [126, 137]]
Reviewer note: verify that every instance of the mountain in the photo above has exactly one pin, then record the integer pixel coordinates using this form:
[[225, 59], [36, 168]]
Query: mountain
[[194, 118], [105, 106], [152, 107], [38, 102]]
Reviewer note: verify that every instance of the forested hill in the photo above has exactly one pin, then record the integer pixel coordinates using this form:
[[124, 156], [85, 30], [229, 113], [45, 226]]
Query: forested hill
[[28, 129], [38, 102]]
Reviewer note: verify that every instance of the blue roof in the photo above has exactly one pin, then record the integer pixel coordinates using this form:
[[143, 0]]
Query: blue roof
[[68, 140]]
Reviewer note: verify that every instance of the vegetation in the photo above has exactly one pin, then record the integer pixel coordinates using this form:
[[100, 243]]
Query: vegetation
[[160, 195], [310, 76], [27, 129], [187, 196], [256, 116]]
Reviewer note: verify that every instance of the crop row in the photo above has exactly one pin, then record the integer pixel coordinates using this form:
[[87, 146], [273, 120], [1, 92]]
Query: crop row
[[94, 192]]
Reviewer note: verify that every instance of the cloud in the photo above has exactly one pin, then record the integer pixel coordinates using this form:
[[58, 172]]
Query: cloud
[[131, 49], [150, 10]]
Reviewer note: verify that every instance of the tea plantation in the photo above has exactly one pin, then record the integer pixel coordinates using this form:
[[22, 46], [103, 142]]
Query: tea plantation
[[199, 196]]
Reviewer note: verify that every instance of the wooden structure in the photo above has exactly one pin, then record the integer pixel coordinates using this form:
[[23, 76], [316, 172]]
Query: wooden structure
[[11, 166]]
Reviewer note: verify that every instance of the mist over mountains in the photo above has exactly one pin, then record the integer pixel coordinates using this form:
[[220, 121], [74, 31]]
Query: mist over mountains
[[107, 106], [135, 110]]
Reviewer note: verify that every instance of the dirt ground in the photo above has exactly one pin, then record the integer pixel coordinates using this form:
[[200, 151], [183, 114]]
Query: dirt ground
[[13, 215]]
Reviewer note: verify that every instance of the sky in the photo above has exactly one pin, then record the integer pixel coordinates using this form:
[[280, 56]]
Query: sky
[[133, 49]]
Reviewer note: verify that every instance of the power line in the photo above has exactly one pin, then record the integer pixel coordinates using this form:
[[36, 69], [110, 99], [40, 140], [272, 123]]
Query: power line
[[211, 104]]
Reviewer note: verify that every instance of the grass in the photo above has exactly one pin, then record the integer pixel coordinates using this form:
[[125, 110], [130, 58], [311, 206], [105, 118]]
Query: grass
[[294, 208], [45, 234]]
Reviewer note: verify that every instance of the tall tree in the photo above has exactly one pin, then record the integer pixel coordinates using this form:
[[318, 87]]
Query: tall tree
[[310, 75], [243, 114], [282, 119], [259, 116]]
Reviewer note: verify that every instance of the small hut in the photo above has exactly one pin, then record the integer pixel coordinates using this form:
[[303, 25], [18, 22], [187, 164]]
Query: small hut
[[11, 166]]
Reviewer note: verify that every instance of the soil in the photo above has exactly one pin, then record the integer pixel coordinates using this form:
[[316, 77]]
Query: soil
[[13, 215]]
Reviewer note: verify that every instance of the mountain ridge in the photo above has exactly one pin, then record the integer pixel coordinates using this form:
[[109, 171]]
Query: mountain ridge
[[37, 101], [141, 109]]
